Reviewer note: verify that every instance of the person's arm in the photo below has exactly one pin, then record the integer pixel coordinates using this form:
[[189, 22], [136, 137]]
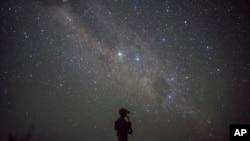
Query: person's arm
[[128, 118], [130, 130], [116, 126]]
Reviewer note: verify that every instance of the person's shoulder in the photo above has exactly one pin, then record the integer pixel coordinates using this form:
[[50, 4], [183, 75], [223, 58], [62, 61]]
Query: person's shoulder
[[118, 119]]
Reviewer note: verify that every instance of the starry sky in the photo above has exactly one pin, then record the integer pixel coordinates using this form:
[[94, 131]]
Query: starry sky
[[180, 67]]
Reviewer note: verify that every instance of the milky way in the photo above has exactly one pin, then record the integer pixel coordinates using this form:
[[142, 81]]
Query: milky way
[[180, 67]]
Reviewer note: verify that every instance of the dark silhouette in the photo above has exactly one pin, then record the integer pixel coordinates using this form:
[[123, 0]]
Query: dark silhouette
[[123, 125], [27, 137], [11, 137]]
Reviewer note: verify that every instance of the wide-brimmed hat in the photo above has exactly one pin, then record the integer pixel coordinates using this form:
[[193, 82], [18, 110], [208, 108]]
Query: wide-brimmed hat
[[123, 111]]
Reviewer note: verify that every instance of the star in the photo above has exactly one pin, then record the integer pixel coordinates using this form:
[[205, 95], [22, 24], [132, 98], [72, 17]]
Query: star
[[163, 39], [169, 97], [137, 59], [120, 54]]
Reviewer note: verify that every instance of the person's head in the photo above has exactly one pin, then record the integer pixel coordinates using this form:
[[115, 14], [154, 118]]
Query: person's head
[[123, 112]]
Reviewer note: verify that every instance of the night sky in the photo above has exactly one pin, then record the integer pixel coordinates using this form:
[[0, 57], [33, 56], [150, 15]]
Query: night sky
[[181, 67]]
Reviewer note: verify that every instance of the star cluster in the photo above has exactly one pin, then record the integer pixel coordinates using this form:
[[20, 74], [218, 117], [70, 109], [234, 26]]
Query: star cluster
[[180, 67]]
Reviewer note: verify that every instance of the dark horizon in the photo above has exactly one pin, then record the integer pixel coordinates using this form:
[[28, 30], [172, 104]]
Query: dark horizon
[[180, 67]]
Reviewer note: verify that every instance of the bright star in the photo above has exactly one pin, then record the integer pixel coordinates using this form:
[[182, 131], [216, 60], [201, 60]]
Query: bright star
[[172, 78], [119, 54], [137, 59]]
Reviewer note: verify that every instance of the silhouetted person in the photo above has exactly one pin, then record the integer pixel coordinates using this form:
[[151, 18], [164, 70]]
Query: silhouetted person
[[11, 137], [29, 134], [123, 125], [27, 137]]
